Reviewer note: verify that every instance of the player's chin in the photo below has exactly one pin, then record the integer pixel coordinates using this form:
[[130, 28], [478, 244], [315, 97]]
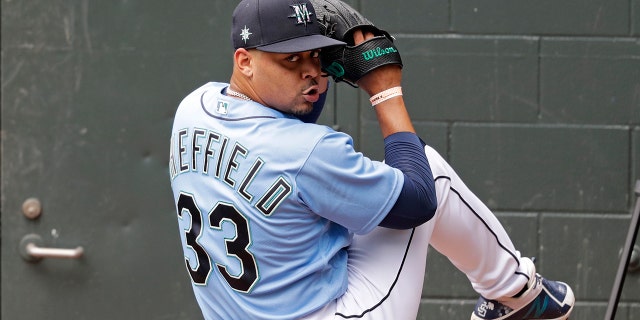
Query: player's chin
[[303, 108]]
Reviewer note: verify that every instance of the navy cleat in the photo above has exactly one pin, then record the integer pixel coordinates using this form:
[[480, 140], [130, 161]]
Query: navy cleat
[[551, 301]]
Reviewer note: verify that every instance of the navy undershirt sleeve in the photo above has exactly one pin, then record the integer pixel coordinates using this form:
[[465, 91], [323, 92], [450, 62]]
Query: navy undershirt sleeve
[[417, 202]]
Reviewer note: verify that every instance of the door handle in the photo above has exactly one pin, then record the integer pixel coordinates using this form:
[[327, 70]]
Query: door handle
[[31, 250]]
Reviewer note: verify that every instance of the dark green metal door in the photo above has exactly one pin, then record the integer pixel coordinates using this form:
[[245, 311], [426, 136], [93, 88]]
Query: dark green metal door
[[88, 94]]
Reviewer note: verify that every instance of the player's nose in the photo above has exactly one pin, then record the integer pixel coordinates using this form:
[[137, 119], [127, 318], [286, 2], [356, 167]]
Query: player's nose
[[310, 66]]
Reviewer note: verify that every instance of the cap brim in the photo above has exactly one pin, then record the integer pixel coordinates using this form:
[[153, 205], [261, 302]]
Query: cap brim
[[301, 44]]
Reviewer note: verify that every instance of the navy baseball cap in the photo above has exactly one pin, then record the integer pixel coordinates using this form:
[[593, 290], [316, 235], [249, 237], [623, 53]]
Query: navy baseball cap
[[283, 26]]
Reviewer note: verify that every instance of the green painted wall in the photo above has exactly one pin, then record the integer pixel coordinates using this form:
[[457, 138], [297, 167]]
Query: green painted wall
[[537, 106]]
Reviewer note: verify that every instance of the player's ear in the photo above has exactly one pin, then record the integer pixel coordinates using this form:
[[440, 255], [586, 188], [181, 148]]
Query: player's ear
[[242, 59]]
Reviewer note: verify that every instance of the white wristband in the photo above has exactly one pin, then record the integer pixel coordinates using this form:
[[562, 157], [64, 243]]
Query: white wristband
[[385, 95]]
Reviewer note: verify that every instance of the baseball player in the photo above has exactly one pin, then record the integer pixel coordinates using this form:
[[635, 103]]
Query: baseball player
[[281, 218]]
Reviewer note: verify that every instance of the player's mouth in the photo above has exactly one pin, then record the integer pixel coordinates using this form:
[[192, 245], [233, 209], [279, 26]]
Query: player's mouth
[[312, 94]]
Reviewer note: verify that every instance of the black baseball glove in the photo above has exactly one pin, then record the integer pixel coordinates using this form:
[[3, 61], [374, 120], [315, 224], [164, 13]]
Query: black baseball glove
[[351, 62]]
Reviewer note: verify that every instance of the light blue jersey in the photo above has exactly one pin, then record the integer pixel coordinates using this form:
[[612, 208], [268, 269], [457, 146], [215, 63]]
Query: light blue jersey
[[267, 204]]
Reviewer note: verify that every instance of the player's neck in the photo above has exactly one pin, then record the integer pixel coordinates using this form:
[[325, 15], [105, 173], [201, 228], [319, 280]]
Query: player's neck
[[240, 88]]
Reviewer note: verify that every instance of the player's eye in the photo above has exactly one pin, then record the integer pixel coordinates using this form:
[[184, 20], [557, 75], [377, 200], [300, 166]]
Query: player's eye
[[293, 58], [315, 54]]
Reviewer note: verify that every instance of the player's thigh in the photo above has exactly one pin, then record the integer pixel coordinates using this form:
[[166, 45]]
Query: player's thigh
[[386, 272]]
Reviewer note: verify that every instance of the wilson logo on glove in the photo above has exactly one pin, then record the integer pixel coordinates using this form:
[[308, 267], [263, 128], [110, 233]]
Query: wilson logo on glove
[[378, 52]]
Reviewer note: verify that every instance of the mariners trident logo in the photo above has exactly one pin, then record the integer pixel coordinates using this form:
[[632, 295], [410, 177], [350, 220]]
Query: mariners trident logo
[[301, 13]]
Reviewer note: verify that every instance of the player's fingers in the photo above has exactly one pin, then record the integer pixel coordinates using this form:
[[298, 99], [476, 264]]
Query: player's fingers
[[358, 37], [368, 35]]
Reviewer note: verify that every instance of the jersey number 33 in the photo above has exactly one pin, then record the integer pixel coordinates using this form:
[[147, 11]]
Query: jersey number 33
[[237, 246]]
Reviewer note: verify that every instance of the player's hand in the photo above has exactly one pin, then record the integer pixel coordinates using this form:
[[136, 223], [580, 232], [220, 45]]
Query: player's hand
[[362, 52], [381, 78]]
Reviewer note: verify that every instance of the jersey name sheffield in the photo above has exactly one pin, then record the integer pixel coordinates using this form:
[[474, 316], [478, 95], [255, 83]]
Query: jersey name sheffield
[[211, 154]]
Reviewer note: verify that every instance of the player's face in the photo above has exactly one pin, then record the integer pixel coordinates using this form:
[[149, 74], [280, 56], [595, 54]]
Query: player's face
[[289, 82]]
